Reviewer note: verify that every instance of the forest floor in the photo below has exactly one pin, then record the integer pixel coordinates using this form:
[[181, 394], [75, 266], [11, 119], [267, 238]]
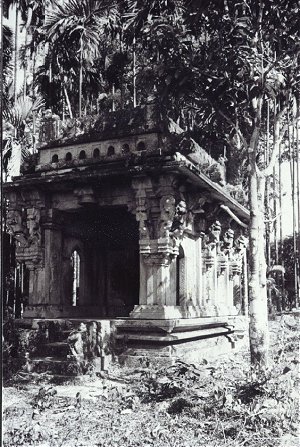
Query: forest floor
[[214, 404]]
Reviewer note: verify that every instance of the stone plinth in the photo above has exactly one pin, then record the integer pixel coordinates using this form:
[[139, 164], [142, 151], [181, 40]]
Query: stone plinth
[[164, 341]]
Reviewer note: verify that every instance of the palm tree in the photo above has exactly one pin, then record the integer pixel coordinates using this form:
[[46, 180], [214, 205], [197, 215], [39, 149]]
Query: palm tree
[[21, 9], [86, 21], [17, 131], [31, 14], [6, 64]]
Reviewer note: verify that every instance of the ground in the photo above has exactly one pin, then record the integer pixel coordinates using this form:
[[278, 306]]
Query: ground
[[213, 404]]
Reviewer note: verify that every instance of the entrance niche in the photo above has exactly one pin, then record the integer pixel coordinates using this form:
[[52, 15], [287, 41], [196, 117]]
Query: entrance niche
[[75, 262], [107, 283]]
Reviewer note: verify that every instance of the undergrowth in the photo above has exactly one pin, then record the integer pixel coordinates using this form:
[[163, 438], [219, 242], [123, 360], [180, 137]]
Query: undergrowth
[[217, 404]]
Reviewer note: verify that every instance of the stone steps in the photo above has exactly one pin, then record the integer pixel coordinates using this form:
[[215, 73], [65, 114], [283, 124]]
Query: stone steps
[[60, 356], [59, 349], [54, 356], [55, 366]]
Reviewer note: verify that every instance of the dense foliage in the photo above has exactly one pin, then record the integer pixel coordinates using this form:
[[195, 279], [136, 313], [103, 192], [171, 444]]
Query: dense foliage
[[222, 69]]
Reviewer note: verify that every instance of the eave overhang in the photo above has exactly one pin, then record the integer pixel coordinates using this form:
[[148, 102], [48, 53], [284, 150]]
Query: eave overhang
[[143, 164]]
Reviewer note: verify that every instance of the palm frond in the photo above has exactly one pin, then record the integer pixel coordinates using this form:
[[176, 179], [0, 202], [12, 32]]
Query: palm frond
[[21, 111]]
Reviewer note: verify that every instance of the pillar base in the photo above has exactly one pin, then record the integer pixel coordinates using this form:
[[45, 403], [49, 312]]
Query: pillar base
[[156, 312]]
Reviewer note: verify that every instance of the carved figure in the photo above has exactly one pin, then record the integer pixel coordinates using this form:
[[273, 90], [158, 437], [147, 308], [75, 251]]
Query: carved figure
[[16, 226], [179, 218], [213, 237], [238, 253], [33, 225], [228, 240], [167, 206], [142, 217], [241, 244], [214, 232], [75, 341]]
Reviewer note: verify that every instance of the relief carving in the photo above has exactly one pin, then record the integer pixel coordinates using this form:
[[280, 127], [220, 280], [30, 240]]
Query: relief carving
[[180, 219], [141, 208], [142, 217], [16, 226], [85, 196], [33, 225], [167, 208], [212, 239], [27, 233], [228, 240], [240, 247]]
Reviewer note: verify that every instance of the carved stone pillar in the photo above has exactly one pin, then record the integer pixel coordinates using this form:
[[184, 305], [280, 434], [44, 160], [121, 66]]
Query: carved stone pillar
[[199, 274], [155, 210], [53, 258], [236, 269], [210, 270], [224, 284], [24, 223], [190, 300], [223, 289], [209, 285]]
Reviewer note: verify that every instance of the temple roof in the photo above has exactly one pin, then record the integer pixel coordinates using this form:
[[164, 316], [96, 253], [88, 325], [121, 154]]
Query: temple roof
[[124, 145]]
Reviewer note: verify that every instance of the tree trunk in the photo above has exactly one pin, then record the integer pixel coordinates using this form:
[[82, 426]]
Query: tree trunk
[[25, 65], [134, 73], [68, 101], [258, 305], [80, 79], [16, 54]]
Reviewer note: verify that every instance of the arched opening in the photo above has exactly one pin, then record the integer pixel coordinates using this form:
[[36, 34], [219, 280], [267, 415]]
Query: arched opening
[[110, 151], [125, 148], [96, 153], [54, 158], [141, 146], [68, 156], [82, 155], [180, 276], [75, 261]]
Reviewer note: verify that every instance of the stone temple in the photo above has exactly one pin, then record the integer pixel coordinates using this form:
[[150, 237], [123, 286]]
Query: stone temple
[[127, 229]]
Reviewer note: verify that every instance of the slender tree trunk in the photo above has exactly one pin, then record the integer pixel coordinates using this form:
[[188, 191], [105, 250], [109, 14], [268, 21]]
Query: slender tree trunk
[[25, 65], [298, 207], [113, 98], [80, 79], [258, 306], [33, 71], [68, 101], [16, 54], [134, 73]]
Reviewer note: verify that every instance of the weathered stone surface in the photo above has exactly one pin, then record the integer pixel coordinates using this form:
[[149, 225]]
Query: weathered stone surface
[[119, 220]]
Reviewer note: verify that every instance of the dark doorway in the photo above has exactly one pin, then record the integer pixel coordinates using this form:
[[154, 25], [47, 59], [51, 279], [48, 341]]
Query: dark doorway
[[109, 259]]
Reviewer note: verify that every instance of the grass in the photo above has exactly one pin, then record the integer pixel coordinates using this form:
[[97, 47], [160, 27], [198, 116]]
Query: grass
[[214, 404]]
